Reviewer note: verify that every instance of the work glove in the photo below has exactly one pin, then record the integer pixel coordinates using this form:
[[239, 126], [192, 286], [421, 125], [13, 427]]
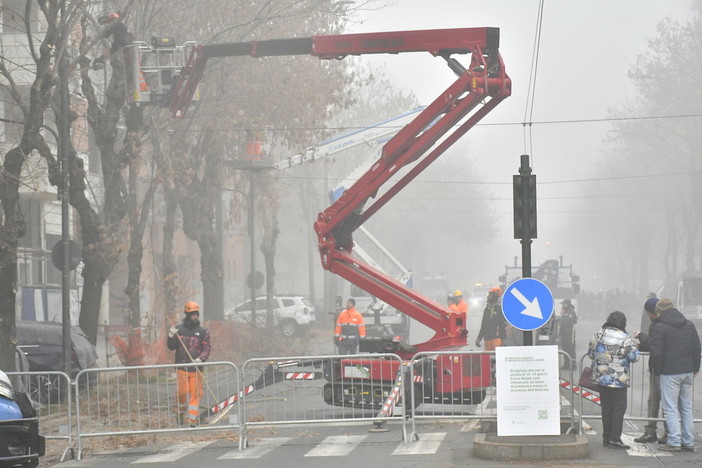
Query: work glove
[[477, 344], [197, 360], [172, 332]]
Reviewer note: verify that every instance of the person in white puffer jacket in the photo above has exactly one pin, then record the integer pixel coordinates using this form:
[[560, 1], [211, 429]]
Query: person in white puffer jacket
[[612, 350]]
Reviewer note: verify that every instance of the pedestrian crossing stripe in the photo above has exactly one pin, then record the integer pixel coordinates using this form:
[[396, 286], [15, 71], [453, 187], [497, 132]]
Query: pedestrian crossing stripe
[[336, 446], [257, 450], [174, 452], [426, 444]]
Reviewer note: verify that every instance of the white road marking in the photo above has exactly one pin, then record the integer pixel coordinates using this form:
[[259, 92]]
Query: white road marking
[[173, 453], [257, 449], [336, 446], [427, 444]]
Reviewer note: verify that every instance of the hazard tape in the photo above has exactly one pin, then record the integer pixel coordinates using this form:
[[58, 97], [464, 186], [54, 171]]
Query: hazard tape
[[301, 375], [391, 401], [583, 392], [232, 399]]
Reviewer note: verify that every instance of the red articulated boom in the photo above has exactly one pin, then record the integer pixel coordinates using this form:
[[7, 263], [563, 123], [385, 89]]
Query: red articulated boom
[[478, 89]]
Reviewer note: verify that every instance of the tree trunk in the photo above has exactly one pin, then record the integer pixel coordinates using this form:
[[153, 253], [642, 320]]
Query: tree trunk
[[212, 277], [138, 218], [12, 229], [169, 283], [268, 249]]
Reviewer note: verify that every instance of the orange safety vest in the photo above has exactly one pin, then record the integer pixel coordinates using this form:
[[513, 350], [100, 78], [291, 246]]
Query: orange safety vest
[[462, 307], [349, 325]]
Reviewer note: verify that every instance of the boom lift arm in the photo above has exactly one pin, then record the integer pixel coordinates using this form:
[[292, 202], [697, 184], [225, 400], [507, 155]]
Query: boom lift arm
[[478, 89], [372, 136]]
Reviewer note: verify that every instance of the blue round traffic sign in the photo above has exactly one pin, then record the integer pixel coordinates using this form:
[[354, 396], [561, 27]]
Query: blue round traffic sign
[[527, 304]]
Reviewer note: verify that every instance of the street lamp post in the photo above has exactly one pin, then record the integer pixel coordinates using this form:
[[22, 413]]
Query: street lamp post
[[64, 146]]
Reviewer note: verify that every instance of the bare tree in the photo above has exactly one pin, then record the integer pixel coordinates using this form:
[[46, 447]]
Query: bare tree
[[13, 223], [665, 77]]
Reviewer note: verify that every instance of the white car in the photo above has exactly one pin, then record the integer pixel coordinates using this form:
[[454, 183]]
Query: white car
[[290, 313]]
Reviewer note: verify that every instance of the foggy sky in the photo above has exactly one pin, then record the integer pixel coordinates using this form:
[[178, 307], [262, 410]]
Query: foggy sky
[[586, 49]]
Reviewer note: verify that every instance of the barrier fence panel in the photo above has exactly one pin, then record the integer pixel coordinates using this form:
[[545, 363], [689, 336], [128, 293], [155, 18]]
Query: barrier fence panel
[[51, 395], [142, 400], [637, 394], [321, 389], [462, 385]]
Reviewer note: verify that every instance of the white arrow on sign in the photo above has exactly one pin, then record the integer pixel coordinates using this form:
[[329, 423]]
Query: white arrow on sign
[[532, 308]]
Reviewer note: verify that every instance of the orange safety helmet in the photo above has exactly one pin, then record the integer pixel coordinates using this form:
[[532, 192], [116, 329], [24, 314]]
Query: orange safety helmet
[[191, 306], [496, 290], [108, 17]]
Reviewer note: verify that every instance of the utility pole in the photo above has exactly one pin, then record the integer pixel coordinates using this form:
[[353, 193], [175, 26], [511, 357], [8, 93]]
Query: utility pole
[[64, 127], [524, 193]]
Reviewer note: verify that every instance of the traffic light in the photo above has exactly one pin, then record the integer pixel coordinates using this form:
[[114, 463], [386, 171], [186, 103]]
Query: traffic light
[[524, 205], [575, 280]]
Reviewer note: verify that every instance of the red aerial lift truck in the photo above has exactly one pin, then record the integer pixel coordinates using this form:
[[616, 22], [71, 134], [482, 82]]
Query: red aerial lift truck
[[479, 87]]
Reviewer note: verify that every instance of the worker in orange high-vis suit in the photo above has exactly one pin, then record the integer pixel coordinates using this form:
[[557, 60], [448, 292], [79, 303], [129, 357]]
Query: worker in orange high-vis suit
[[459, 306], [349, 330], [191, 343]]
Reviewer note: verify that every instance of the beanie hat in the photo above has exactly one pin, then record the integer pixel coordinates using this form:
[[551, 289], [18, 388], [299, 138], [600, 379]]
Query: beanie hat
[[650, 304], [664, 304]]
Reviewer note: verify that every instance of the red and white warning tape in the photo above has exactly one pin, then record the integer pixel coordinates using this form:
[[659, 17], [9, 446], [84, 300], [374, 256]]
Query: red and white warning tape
[[391, 401], [583, 392], [232, 399], [300, 375]]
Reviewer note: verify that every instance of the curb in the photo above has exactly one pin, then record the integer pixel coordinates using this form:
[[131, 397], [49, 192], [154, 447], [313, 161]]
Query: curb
[[515, 448]]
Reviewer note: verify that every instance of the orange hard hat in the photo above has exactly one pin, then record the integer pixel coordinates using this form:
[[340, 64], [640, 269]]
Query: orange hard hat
[[108, 17], [191, 306], [496, 290]]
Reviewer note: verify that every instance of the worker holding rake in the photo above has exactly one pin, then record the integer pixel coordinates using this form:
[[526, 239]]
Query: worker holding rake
[[191, 343]]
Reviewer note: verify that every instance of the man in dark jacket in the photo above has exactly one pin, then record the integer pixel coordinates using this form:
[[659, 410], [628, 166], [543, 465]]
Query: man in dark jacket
[[654, 387], [675, 357], [493, 326]]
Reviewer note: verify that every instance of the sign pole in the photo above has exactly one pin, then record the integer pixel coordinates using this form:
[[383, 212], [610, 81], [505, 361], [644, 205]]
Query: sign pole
[[525, 219]]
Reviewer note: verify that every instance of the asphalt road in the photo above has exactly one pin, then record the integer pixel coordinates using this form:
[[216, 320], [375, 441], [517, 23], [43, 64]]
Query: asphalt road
[[441, 444]]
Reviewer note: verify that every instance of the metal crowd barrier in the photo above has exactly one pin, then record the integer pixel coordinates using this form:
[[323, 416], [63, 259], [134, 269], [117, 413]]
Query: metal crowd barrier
[[476, 402], [51, 394], [321, 389], [141, 400], [637, 394]]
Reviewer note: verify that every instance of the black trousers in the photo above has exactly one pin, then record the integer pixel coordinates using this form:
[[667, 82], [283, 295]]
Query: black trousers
[[349, 346], [613, 402]]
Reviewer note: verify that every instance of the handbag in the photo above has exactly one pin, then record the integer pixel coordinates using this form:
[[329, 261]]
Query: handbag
[[586, 380]]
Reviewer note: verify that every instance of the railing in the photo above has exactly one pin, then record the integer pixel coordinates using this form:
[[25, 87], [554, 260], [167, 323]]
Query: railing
[[320, 389], [637, 393], [467, 402], [289, 390], [142, 400]]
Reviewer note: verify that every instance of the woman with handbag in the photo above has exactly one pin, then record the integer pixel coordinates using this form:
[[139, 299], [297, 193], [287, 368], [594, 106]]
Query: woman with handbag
[[612, 350]]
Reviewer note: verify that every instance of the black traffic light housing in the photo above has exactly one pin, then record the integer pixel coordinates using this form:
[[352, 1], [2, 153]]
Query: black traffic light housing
[[524, 205], [575, 280]]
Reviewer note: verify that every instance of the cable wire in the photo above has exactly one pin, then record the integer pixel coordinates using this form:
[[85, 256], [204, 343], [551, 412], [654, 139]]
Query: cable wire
[[531, 89]]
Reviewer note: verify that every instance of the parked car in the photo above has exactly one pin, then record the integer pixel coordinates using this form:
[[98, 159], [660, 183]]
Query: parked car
[[291, 313], [42, 344], [20, 442]]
